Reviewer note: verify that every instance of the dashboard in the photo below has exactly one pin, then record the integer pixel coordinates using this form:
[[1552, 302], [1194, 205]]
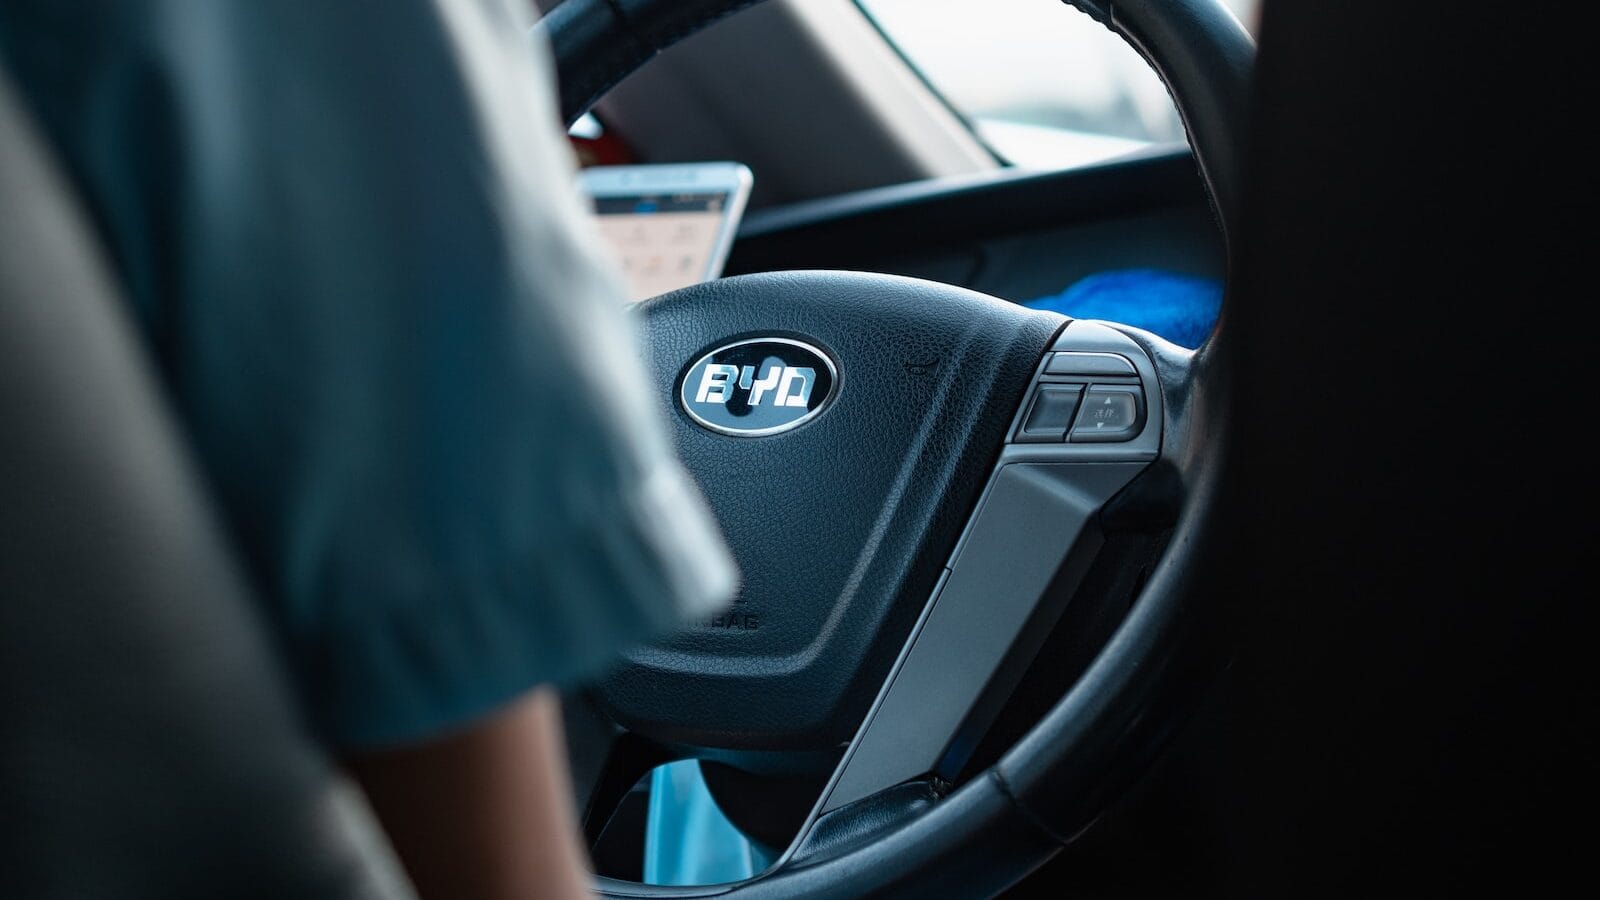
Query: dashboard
[[1132, 240]]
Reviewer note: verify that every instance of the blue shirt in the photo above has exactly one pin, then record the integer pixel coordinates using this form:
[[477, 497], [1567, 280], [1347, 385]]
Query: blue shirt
[[350, 232]]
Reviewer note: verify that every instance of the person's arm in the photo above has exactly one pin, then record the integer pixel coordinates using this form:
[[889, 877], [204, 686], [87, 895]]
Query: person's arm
[[484, 813], [353, 237]]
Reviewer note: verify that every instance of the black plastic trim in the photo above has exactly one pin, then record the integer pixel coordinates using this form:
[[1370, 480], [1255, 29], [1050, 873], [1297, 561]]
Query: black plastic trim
[[866, 226]]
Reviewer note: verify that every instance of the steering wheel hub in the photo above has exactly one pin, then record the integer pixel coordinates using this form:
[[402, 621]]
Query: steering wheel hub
[[880, 404]]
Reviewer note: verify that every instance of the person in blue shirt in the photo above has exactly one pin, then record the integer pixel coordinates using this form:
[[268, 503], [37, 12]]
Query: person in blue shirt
[[349, 233]]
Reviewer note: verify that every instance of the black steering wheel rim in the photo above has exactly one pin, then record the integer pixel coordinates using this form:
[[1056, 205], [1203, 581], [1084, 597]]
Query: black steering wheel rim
[[1056, 779]]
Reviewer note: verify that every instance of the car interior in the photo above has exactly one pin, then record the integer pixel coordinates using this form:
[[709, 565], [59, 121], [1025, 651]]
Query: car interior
[[1139, 513]]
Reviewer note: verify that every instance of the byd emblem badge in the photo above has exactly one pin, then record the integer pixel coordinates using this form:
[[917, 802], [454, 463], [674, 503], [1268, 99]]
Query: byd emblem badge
[[758, 387]]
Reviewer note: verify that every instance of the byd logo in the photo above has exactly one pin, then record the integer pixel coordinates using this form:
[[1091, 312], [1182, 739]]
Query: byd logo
[[758, 387], [790, 385]]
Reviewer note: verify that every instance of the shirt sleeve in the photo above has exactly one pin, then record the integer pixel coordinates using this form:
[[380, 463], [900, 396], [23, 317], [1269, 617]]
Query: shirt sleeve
[[352, 233]]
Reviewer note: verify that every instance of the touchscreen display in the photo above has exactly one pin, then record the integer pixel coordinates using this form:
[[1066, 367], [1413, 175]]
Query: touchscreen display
[[665, 241]]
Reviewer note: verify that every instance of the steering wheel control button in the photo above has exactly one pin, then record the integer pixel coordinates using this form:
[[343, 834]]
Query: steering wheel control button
[[1109, 414], [1099, 364], [758, 387], [1051, 413]]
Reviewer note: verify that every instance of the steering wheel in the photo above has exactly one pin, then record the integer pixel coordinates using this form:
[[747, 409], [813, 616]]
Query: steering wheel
[[921, 485]]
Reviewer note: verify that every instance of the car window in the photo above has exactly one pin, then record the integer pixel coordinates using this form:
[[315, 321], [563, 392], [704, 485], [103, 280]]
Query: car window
[[1042, 84]]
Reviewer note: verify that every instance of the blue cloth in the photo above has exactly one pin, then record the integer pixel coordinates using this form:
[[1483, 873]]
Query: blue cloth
[[351, 234], [1180, 308], [687, 838]]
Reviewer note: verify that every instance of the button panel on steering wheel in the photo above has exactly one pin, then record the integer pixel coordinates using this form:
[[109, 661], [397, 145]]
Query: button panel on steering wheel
[[1089, 424]]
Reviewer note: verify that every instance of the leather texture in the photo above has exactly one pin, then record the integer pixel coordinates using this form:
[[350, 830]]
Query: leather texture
[[597, 43], [857, 823], [1199, 49], [842, 526], [149, 745], [1206, 59]]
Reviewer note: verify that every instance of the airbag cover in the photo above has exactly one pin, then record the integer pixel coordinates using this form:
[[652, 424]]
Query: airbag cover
[[842, 524]]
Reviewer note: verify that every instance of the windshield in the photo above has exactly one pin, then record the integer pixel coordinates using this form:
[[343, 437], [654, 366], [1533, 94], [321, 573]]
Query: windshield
[[1042, 84]]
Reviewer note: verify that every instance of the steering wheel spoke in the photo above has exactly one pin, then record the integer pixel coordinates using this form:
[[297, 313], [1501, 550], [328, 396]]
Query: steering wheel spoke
[[1017, 565]]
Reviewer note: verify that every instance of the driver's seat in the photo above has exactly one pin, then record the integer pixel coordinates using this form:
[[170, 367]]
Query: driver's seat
[[149, 746]]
